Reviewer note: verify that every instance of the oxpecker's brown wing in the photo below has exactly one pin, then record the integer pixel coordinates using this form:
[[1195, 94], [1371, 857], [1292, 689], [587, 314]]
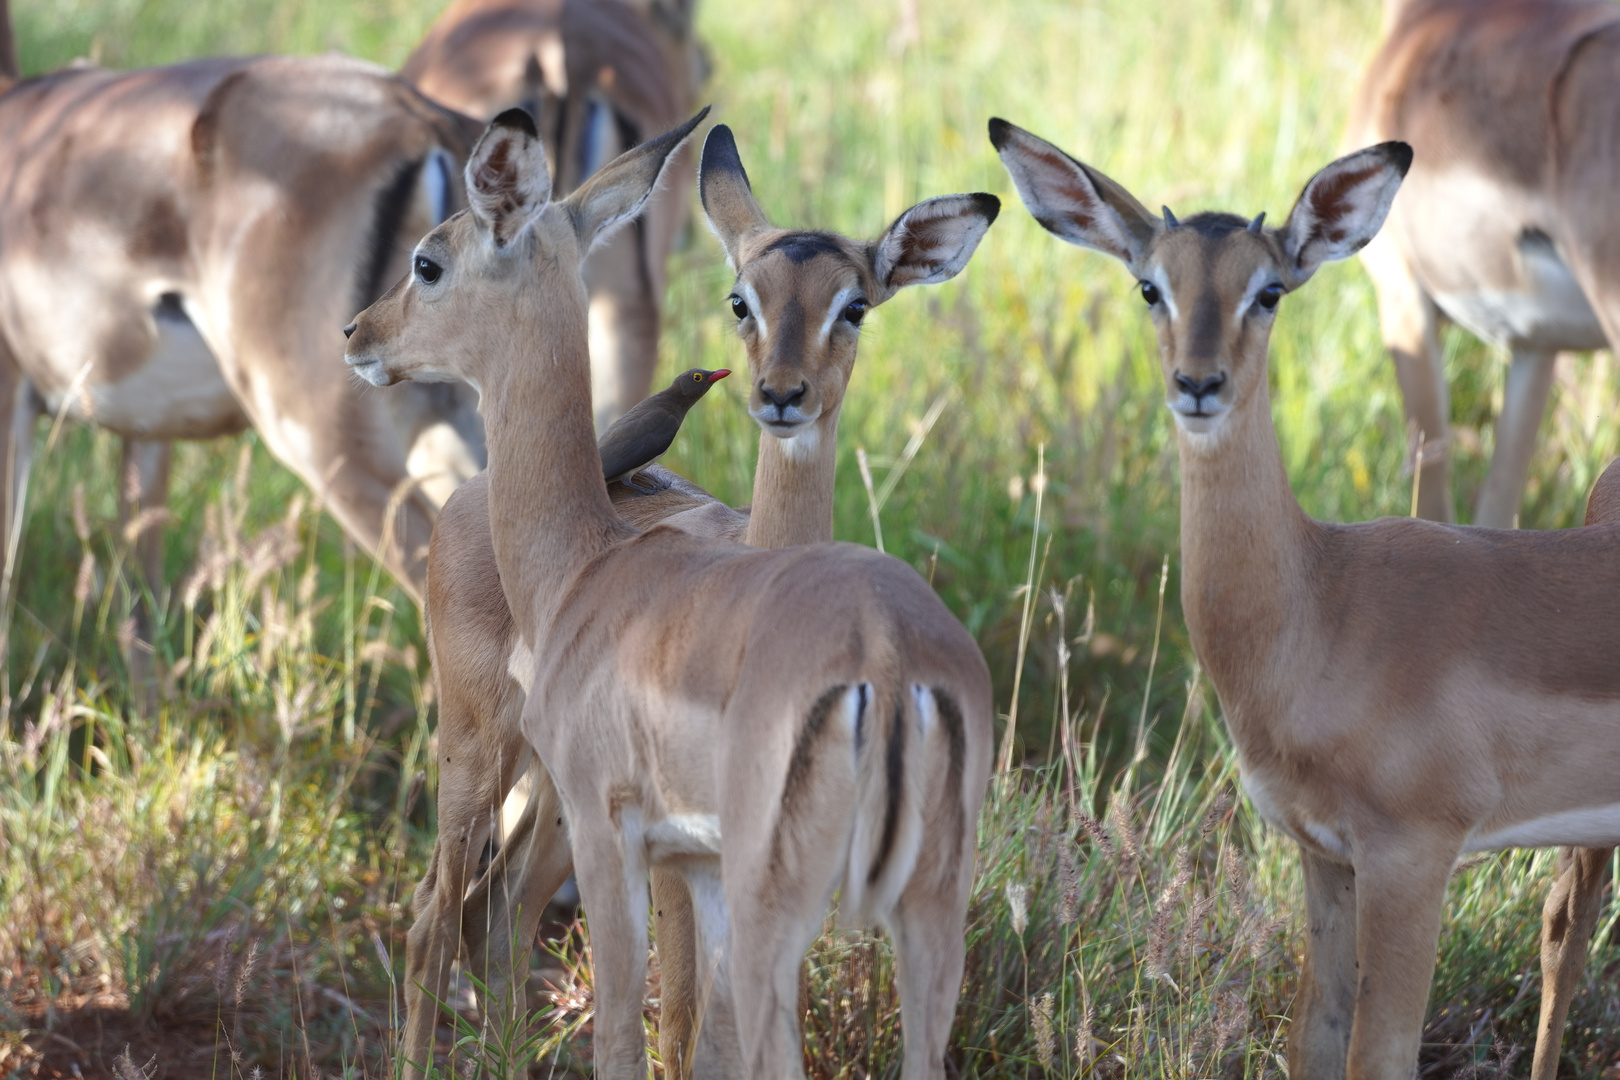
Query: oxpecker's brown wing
[[638, 437]]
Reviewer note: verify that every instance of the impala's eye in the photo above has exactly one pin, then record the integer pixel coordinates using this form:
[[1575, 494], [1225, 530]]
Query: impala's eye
[[855, 312], [1150, 293], [738, 308], [427, 270], [1269, 296]]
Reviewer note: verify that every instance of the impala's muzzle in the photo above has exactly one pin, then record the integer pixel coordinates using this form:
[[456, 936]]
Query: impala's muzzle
[[1197, 400], [359, 353], [783, 413]]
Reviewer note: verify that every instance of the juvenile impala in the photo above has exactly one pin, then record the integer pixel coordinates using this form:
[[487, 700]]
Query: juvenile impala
[[812, 720], [602, 75], [1509, 223], [1401, 692], [799, 300]]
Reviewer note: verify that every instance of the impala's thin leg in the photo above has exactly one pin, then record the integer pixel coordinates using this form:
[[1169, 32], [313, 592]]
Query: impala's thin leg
[[1525, 402], [502, 912], [1407, 317], [929, 954], [612, 876], [1567, 922], [623, 316], [474, 777], [19, 409], [678, 990], [1319, 1037], [1400, 891], [143, 495]]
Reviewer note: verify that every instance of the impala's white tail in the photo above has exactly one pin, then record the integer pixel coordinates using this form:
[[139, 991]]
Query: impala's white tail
[[900, 740]]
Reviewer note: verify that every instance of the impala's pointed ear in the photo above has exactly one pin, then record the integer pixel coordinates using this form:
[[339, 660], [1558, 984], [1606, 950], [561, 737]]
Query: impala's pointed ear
[[931, 242], [507, 180], [1343, 207], [619, 190], [728, 198], [1074, 201]]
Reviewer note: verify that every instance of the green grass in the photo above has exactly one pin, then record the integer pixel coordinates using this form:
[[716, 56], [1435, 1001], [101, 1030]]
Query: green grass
[[267, 810]]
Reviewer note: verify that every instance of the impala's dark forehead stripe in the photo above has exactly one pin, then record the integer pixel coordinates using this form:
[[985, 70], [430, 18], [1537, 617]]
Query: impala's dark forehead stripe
[[801, 247]]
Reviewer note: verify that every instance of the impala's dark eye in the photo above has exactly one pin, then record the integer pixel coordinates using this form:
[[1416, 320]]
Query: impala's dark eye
[[1269, 296], [427, 270], [855, 312], [1150, 293], [738, 308]]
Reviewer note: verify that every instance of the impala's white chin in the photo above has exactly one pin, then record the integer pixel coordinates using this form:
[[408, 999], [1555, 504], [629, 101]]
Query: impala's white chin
[[1201, 420], [372, 371], [802, 444]]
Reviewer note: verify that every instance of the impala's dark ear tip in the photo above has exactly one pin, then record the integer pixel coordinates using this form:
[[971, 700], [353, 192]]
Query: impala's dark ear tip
[[1000, 132], [516, 118], [987, 205], [691, 125], [1399, 154]]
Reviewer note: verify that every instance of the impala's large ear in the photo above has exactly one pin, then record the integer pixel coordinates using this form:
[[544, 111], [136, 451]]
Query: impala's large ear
[[1343, 207], [931, 242], [619, 190], [728, 198], [507, 180], [1074, 201]]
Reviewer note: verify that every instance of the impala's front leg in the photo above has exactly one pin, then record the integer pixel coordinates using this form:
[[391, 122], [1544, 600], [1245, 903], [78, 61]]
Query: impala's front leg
[[1400, 893], [1319, 1037], [610, 865]]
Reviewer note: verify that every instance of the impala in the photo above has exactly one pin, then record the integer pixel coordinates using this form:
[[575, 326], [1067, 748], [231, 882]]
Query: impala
[[799, 300], [811, 720], [602, 75], [1401, 693], [176, 245], [1507, 224]]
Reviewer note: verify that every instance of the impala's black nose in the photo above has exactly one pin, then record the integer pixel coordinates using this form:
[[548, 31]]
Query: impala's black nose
[[1200, 387], [348, 331], [782, 401]]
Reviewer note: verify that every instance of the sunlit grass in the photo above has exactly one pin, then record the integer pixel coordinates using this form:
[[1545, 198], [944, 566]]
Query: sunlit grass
[[145, 859]]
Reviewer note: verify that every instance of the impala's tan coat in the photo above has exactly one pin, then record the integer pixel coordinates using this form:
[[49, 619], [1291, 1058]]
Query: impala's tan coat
[[1508, 223], [475, 642], [602, 75], [178, 247], [812, 719], [1400, 692]]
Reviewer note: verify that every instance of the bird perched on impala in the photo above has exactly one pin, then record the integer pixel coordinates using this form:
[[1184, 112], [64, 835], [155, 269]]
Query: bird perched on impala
[[640, 436]]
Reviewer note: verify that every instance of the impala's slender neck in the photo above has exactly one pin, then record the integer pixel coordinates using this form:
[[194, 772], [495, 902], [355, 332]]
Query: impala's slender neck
[[793, 487], [548, 506], [1244, 547]]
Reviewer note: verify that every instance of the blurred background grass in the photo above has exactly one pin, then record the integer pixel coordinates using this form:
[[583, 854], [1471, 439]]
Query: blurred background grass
[[844, 118]]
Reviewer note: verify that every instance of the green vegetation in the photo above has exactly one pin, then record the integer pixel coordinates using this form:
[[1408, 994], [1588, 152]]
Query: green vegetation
[[225, 882]]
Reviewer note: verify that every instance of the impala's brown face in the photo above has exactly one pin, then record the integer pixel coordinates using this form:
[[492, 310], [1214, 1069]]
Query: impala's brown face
[[1212, 287], [799, 302], [1213, 281], [800, 297]]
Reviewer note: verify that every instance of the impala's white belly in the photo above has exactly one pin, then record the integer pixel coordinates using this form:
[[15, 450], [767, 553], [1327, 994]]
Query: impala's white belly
[[1597, 826], [1546, 313], [177, 393]]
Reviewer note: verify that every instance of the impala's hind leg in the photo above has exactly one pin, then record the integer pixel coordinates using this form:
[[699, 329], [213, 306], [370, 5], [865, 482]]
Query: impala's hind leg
[[1567, 922], [929, 953]]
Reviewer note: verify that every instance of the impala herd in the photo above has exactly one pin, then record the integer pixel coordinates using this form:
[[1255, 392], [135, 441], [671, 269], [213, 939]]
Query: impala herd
[[724, 703]]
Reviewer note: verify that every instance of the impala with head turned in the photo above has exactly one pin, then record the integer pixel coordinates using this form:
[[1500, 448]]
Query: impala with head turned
[[471, 662], [1401, 693], [602, 75]]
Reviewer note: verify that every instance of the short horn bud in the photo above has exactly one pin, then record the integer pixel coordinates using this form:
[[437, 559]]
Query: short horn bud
[[1254, 226], [1170, 221]]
